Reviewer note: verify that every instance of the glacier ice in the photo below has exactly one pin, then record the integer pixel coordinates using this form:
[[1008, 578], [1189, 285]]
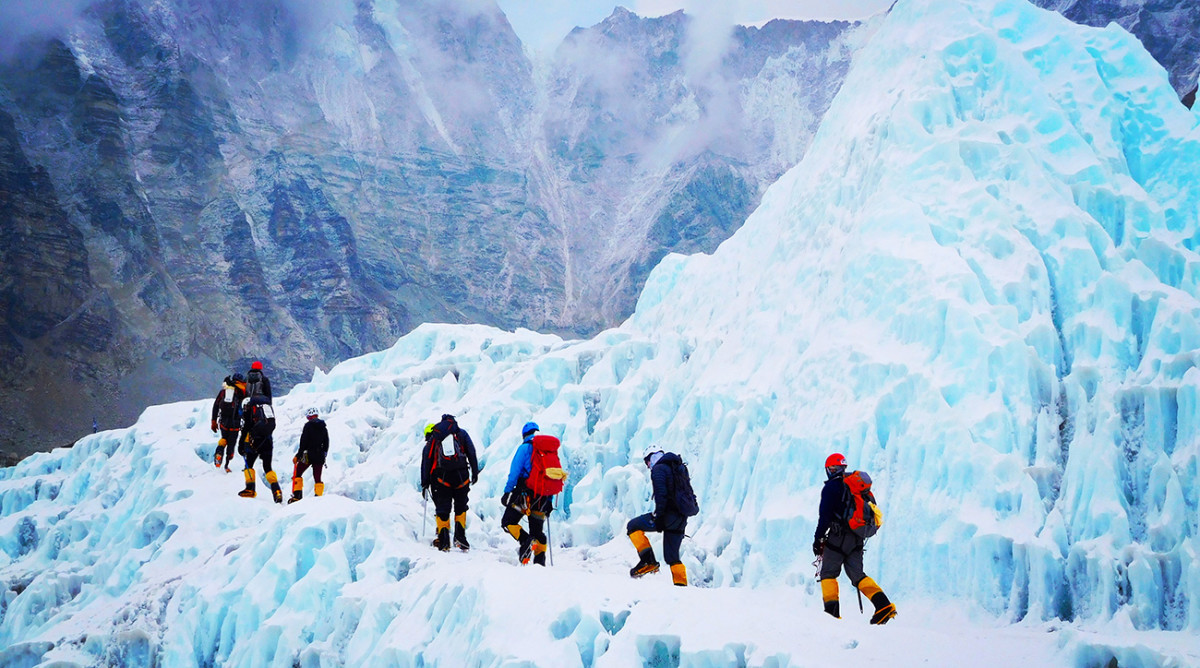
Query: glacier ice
[[980, 286]]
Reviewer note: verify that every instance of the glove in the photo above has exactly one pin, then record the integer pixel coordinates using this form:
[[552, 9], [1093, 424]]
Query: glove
[[214, 426], [819, 546], [658, 520], [475, 477], [504, 499], [303, 457], [424, 491]]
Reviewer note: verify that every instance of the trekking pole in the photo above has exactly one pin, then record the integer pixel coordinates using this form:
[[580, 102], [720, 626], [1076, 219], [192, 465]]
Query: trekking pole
[[549, 541], [424, 512], [860, 608]]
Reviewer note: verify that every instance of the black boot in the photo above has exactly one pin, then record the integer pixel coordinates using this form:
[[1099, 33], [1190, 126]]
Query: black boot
[[460, 532], [645, 566], [442, 542], [834, 608], [884, 610], [525, 548]]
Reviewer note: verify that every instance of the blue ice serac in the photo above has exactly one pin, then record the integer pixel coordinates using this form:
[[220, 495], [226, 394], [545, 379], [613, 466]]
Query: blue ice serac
[[981, 285]]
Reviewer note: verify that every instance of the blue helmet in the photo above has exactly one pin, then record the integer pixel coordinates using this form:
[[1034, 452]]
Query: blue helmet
[[529, 428]]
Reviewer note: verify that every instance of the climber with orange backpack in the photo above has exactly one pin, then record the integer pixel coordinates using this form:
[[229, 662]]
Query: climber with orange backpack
[[848, 517], [448, 469], [535, 476]]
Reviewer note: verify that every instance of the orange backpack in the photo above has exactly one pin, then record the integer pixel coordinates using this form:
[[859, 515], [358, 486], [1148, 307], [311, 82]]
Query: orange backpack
[[862, 515]]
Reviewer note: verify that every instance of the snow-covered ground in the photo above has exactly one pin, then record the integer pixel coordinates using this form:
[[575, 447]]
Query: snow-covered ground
[[981, 286]]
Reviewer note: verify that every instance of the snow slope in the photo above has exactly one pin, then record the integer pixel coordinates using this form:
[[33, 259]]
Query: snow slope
[[980, 285]]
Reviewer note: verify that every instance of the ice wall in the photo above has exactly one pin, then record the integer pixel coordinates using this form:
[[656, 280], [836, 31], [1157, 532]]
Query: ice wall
[[982, 286]]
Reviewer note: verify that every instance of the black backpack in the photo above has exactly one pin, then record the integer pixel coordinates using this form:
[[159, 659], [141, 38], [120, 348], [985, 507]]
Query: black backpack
[[448, 453], [254, 383], [681, 488]]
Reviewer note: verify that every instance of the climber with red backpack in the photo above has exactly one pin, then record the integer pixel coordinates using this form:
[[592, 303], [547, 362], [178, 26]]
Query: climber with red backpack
[[535, 476], [848, 517], [448, 469], [674, 503]]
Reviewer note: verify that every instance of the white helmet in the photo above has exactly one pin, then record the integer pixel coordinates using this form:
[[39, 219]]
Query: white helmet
[[245, 401], [311, 413], [650, 451]]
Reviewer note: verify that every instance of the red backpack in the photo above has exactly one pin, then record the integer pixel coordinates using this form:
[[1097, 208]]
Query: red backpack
[[862, 515], [546, 475]]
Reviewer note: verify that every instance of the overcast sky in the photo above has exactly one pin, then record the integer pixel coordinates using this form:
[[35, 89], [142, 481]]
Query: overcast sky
[[541, 24]]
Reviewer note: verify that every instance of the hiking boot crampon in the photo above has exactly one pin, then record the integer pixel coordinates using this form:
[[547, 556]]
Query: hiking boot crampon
[[643, 568], [884, 614]]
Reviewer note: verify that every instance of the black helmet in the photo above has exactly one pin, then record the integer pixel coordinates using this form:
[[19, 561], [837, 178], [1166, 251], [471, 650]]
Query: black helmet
[[238, 377]]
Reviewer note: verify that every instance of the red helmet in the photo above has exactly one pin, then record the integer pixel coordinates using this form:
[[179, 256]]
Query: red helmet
[[256, 365], [836, 459]]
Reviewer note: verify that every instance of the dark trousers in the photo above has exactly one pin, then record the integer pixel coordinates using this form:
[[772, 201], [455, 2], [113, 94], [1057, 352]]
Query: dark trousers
[[231, 437], [261, 450], [301, 467], [444, 497], [843, 549], [675, 526], [538, 508]]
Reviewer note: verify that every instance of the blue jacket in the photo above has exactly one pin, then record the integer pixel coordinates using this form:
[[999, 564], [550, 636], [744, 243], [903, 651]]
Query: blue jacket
[[522, 464]]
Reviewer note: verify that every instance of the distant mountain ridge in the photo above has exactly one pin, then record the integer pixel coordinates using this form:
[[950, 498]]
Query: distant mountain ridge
[[190, 186], [1169, 29]]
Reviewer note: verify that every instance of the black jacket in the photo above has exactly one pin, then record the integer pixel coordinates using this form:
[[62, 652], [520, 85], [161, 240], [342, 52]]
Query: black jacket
[[666, 515], [314, 440], [833, 506], [227, 407], [258, 420], [459, 476]]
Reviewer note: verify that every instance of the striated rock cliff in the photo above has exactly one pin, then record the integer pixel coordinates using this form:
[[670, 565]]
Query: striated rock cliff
[[188, 186]]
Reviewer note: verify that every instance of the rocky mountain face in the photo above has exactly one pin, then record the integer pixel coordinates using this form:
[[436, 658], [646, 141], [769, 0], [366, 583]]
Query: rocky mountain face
[[186, 186], [1169, 29]]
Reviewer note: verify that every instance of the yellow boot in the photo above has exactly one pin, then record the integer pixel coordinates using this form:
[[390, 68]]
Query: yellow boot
[[319, 489], [442, 542], [273, 481], [679, 574], [884, 609], [829, 594], [647, 564], [460, 532], [297, 489], [249, 491]]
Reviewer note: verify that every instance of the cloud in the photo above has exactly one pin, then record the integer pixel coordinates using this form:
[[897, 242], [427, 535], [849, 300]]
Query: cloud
[[21, 20]]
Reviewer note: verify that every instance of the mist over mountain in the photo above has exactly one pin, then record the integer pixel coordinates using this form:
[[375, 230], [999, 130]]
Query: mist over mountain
[[188, 186]]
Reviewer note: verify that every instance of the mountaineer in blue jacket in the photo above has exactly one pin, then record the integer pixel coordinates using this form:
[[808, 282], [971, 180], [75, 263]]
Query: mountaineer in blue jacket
[[519, 500]]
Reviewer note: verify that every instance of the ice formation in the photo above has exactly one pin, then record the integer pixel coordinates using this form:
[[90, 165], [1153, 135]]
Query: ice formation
[[980, 286]]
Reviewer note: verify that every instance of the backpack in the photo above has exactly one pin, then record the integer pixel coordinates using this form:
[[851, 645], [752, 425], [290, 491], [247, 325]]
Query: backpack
[[863, 516], [546, 474], [448, 453], [230, 410], [681, 488], [254, 383]]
